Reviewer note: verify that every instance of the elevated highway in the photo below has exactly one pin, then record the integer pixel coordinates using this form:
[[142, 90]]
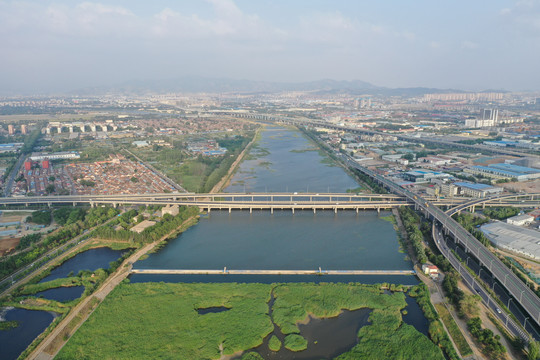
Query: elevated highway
[[520, 200], [519, 291]]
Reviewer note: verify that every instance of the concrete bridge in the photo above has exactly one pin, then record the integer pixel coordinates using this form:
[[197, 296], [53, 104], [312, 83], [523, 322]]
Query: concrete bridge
[[226, 271], [262, 201]]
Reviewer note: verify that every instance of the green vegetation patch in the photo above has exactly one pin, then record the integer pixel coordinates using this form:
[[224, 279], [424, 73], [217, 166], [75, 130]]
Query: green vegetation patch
[[158, 320], [294, 303], [252, 356], [295, 342], [456, 334], [389, 338], [274, 343], [501, 213], [6, 325], [61, 282]]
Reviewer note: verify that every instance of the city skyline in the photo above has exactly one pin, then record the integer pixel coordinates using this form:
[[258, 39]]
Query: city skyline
[[60, 46]]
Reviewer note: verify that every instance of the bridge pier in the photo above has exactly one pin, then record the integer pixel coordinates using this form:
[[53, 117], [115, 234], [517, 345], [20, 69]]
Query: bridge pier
[[209, 208], [74, 204], [272, 210], [357, 210], [378, 210], [292, 210], [314, 210], [335, 210], [250, 210], [472, 209], [230, 210], [49, 204]]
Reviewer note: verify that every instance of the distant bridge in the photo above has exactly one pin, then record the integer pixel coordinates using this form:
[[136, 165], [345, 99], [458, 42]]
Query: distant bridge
[[360, 130]]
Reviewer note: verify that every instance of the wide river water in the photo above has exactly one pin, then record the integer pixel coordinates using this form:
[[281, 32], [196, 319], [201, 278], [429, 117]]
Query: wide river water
[[284, 160]]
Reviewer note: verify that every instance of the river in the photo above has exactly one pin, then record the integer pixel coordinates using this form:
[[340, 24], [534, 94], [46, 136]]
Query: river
[[284, 160]]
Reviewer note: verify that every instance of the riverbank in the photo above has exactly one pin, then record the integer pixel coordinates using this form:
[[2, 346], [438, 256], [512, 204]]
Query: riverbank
[[225, 181], [329, 152]]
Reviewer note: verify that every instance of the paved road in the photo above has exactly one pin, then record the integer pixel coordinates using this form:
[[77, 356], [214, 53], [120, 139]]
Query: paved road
[[476, 287], [519, 291], [14, 172]]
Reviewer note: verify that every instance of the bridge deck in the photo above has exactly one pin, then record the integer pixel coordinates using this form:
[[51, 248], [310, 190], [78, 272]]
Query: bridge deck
[[226, 271]]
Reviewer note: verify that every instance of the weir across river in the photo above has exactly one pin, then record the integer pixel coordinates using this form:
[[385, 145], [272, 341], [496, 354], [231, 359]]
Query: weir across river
[[226, 271]]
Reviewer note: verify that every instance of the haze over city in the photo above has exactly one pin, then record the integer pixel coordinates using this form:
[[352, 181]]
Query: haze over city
[[60, 46]]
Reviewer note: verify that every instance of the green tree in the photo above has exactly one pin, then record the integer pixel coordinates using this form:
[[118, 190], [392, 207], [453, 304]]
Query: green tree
[[534, 350], [469, 305]]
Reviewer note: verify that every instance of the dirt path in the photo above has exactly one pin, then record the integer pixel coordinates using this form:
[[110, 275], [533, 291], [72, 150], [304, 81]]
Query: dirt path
[[54, 342], [227, 178]]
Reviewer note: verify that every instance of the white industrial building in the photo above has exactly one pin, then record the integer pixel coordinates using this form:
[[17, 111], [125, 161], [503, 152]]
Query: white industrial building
[[55, 156], [520, 220], [513, 238]]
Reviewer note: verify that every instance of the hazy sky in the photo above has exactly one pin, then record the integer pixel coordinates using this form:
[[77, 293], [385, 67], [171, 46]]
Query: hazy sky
[[479, 44]]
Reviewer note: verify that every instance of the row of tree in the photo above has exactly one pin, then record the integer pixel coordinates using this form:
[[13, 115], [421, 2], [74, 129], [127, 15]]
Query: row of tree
[[166, 225], [411, 221], [92, 218]]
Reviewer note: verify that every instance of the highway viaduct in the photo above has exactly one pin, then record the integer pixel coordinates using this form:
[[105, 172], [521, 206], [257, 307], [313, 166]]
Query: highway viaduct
[[516, 288]]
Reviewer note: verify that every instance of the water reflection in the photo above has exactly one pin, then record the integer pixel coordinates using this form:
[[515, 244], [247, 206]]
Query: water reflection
[[30, 324], [62, 294], [91, 260]]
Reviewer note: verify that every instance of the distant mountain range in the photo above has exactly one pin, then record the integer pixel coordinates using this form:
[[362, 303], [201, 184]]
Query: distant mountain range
[[221, 85]]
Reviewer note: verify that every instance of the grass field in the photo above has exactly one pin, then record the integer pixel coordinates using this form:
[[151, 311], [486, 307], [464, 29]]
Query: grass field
[[462, 345], [158, 320]]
